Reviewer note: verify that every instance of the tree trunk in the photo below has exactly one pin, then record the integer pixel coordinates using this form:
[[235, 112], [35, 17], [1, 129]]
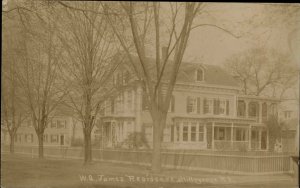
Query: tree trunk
[[87, 147], [41, 145], [156, 154], [12, 143]]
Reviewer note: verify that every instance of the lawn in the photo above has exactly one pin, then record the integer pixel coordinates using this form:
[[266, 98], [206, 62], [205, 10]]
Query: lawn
[[19, 171]]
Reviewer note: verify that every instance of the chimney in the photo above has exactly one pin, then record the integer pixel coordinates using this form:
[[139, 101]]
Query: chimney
[[164, 53]]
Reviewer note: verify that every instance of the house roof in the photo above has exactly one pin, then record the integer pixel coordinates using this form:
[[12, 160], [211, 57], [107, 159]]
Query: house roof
[[213, 74]]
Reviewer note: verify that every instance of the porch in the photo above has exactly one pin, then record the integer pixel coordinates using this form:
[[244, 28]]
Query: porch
[[113, 132], [215, 134]]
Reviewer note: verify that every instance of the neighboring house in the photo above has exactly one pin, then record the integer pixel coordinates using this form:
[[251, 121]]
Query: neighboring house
[[206, 111], [62, 130], [289, 115]]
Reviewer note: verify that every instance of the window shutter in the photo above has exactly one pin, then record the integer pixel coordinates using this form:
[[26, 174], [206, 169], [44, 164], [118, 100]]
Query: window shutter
[[218, 106], [173, 104], [187, 104], [198, 105], [227, 107], [215, 106], [204, 106], [172, 133]]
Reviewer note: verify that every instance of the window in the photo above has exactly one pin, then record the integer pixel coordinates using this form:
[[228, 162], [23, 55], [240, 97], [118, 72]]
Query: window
[[45, 138], [126, 77], [60, 124], [216, 106], [129, 100], [253, 109], [29, 124], [200, 75], [201, 133], [241, 108], [222, 107], [193, 131], [29, 138], [191, 105], [54, 138], [240, 134], [219, 133], [53, 124], [185, 132], [207, 106], [264, 110], [120, 103], [287, 114], [273, 109]]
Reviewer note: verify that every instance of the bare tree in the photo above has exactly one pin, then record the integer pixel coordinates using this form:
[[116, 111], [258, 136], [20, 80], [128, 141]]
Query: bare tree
[[87, 63], [143, 23], [39, 73], [12, 103], [263, 72]]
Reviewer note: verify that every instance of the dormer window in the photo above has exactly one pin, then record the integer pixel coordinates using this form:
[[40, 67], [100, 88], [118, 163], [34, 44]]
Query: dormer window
[[199, 75]]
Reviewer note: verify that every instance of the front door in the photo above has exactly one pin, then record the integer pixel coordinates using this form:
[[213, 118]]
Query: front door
[[263, 144], [255, 140]]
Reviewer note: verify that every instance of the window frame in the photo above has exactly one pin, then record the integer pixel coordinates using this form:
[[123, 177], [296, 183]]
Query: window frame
[[197, 75]]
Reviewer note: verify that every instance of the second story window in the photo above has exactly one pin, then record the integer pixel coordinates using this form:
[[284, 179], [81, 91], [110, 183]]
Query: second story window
[[129, 100], [287, 114], [193, 105], [199, 75], [253, 109], [126, 77], [207, 106], [241, 111]]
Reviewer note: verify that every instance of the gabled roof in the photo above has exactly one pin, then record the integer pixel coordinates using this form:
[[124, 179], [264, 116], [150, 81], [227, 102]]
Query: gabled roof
[[213, 74]]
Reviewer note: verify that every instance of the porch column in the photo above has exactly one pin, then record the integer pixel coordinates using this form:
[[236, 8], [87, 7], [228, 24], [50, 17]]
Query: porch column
[[231, 136], [260, 112], [205, 134], [246, 110], [249, 138], [267, 140], [213, 136], [197, 131], [259, 139]]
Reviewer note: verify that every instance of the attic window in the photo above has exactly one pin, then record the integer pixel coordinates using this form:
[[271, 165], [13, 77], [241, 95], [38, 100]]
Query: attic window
[[199, 75]]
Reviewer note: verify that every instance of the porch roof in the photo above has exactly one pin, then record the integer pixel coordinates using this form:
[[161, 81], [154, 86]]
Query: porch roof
[[217, 119]]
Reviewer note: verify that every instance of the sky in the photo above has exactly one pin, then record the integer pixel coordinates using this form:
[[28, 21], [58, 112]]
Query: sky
[[210, 45]]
